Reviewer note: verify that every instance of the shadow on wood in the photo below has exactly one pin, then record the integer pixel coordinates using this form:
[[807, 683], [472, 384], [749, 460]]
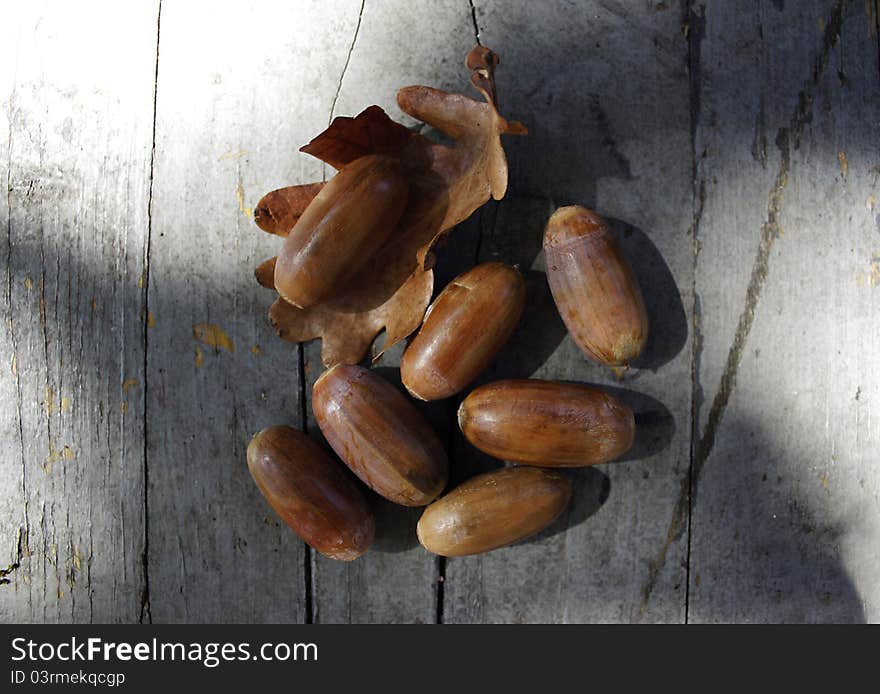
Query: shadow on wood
[[769, 546], [395, 525], [590, 488], [668, 325], [537, 336], [655, 425]]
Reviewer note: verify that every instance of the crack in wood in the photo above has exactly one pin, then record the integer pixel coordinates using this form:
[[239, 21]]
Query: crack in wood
[[16, 563], [146, 613], [357, 30], [695, 23], [473, 8], [304, 423], [696, 386]]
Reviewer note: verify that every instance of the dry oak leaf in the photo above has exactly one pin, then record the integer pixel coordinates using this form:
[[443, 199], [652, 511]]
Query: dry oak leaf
[[447, 184]]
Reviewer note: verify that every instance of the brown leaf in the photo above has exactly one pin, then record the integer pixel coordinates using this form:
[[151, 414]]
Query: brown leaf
[[278, 211], [347, 138], [347, 335], [446, 185]]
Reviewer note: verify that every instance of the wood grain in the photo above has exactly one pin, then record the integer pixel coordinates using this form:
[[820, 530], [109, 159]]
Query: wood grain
[[605, 143], [731, 146], [785, 524], [77, 131], [229, 119], [398, 580]]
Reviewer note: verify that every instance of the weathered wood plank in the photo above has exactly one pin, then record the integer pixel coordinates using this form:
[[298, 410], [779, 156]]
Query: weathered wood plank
[[76, 157], [397, 44], [779, 178], [785, 518], [606, 142], [230, 117]]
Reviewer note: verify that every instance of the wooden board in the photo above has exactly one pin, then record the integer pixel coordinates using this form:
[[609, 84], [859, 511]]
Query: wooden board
[[77, 132], [733, 147], [785, 522], [602, 142], [230, 117], [398, 582]]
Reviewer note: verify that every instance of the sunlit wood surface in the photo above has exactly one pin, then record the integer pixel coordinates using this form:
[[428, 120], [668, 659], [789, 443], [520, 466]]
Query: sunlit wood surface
[[735, 149]]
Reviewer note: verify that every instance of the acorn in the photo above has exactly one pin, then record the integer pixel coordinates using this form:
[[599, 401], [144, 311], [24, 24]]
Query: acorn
[[343, 226], [594, 287], [546, 423], [380, 435], [493, 510], [312, 493], [463, 330]]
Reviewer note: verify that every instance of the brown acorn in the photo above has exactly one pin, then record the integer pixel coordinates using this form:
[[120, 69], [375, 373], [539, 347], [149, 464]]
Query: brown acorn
[[546, 423], [493, 510], [594, 287], [380, 435], [345, 224], [311, 492], [463, 330]]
